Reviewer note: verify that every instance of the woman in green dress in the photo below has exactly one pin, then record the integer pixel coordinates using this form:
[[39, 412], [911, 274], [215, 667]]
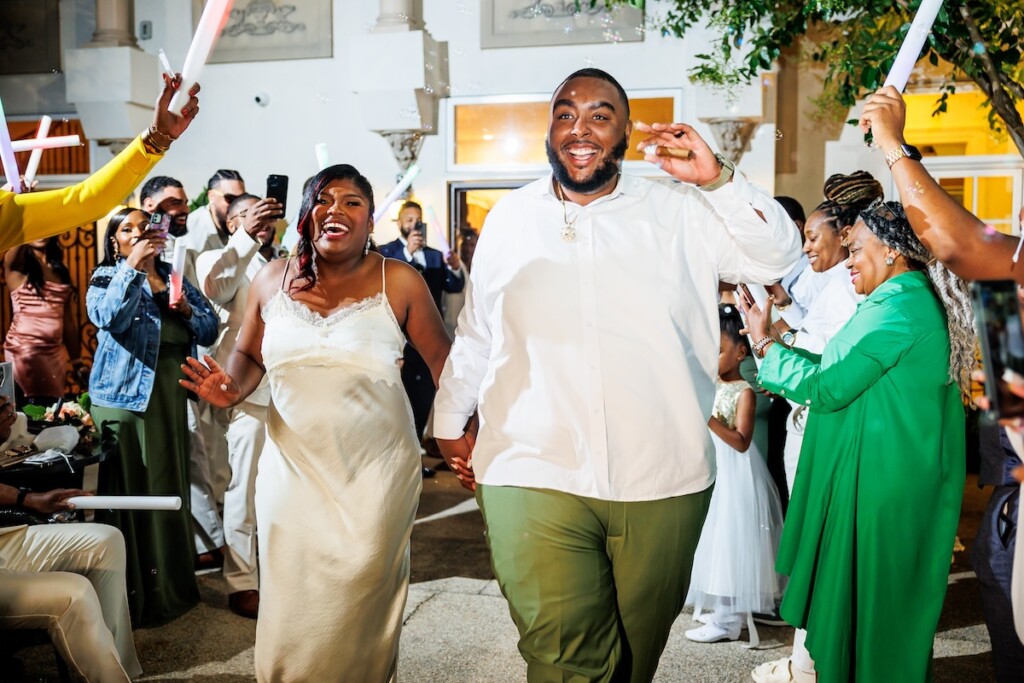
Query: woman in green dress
[[142, 339], [877, 495]]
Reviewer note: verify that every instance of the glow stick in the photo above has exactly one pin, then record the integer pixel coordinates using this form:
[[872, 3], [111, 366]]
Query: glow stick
[[126, 502], [177, 269], [401, 187], [165, 63], [436, 225], [10, 164], [215, 15], [46, 143], [37, 153], [323, 159], [906, 58]]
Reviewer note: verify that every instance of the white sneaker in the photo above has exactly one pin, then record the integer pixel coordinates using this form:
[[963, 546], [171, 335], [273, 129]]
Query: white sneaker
[[713, 633]]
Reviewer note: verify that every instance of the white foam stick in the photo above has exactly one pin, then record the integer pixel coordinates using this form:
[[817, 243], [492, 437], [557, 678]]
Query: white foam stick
[[215, 14], [436, 225], [323, 158], [401, 187], [46, 143], [906, 58], [126, 502], [37, 153], [10, 164]]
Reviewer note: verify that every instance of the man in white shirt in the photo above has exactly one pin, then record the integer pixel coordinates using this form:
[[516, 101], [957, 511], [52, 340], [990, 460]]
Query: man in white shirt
[[224, 276], [589, 347], [209, 472]]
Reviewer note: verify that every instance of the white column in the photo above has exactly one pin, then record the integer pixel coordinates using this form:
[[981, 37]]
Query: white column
[[115, 24], [399, 15]]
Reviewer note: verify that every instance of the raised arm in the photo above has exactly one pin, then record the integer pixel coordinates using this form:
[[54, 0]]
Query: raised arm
[[35, 215], [952, 234]]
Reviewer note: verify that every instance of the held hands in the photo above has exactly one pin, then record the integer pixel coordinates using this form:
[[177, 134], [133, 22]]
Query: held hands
[[210, 382], [699, 167], [458, 453], [167, 122], [884, 116]]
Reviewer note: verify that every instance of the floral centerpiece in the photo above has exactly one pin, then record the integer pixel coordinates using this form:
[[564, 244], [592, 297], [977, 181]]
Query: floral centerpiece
[[73, 413]]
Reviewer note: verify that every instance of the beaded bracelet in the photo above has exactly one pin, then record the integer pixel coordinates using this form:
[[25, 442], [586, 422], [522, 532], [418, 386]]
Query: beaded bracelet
[[761, 344]]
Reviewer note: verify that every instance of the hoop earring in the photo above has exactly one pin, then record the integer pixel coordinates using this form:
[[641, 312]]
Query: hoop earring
[[889, 260]]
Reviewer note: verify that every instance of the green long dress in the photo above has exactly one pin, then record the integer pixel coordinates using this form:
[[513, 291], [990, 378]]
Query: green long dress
[[152, 459], [877, 494]]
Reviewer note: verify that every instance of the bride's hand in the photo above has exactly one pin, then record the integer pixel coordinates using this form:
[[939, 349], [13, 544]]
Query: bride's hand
[[210, 382]]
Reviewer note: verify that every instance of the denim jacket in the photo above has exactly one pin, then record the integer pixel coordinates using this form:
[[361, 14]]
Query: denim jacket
[[121, 305]]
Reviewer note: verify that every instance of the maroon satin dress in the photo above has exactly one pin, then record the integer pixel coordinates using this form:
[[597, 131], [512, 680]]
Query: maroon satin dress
[[35, 340]]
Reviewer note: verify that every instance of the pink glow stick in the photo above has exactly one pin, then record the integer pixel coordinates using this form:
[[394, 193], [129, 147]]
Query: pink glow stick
[[10, 164], [211, 23], [46, 143], [37, 153]]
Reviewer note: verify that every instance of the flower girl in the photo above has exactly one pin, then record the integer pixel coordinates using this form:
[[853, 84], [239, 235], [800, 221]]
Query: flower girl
[[734, 567]]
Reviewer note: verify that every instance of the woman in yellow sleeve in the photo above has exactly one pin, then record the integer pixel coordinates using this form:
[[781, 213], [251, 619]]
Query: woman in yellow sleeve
[[32, 216]]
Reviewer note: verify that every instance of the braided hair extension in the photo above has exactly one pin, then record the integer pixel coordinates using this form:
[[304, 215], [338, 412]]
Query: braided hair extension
[[305, 255], [888, 222], [848, 195]]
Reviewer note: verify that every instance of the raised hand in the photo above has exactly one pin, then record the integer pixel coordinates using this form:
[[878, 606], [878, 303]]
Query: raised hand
[[167, 122], [699, 167], [884, 115], [759, 321], [210, 382], [145, 249]]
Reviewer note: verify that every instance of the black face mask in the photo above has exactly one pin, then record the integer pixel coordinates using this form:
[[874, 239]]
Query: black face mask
[[604, 173]]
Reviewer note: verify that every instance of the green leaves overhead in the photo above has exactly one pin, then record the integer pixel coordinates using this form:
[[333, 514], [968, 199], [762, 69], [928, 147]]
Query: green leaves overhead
[[980, 40]]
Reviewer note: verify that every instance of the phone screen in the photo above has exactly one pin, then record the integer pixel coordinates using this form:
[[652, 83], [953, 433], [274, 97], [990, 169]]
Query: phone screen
[[277, 187], [998, 316]]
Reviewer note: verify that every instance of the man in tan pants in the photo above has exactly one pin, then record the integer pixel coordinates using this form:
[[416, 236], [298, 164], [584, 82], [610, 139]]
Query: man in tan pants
[[68, 579]]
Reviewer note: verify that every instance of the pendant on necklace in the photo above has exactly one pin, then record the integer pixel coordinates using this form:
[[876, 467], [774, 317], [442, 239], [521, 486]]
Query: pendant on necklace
[[568, 233]]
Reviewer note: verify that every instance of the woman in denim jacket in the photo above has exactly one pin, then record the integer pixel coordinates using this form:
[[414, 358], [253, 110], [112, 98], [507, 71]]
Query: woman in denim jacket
[[143, 338]]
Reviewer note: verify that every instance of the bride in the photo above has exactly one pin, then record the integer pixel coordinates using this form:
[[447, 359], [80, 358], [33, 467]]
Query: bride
[[339, 480]]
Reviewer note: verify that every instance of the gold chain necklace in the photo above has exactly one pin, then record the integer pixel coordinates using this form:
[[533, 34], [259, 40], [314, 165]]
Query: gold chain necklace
[[569, 230]]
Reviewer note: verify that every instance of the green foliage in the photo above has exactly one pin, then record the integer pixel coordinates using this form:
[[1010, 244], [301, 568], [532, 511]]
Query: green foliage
[[200, 200], [857, 43]]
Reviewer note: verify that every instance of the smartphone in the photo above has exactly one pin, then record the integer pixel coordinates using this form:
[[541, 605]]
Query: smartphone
[[277, 187], [7, 381], [160, 223], [998, 314], [421, 228]]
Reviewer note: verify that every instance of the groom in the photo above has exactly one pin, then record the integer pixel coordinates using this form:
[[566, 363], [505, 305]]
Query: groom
[[589, 346]]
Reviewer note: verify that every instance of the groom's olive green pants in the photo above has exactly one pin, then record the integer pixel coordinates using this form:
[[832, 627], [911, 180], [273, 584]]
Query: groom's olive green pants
[[593, 585]]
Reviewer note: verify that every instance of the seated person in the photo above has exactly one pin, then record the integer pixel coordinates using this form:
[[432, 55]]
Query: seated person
[[68, 579]]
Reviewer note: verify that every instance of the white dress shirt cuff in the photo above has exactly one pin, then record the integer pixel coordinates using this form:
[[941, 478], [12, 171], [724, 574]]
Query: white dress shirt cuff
[[450, 426]]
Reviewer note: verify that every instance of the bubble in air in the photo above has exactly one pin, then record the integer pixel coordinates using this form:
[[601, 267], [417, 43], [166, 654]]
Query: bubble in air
[[323, 97], [979, 49], [427, 126], [989, 233], [778, 134], [428, 90], [567, 30], [640, 30], [428, 66]]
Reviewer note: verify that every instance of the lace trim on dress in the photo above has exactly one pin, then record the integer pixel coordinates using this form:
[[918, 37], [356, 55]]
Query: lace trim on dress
[[311, 317]]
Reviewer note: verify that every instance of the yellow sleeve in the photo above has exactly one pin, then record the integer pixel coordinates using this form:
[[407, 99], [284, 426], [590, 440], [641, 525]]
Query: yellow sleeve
[[35, 215]]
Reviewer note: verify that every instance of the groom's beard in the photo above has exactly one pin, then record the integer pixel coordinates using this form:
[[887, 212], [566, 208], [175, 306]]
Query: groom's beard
[[602, 174]]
